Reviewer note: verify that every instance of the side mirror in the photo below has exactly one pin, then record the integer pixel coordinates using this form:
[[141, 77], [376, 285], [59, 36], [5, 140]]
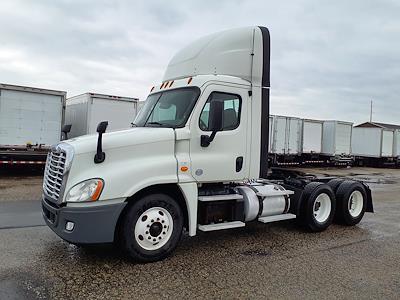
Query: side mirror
[[215, 122], [101, 128], [100, 156], [66, 129]]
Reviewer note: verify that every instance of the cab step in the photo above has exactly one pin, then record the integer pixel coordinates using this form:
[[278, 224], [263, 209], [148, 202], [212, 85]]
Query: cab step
[[220, 226], [220, 197], [276, 218]]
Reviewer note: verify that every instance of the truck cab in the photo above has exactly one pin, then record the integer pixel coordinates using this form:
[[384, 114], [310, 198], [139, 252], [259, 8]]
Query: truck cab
[[195, 159]]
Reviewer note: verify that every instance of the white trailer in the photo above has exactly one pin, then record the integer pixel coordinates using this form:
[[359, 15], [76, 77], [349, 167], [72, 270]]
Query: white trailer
[[30, 122], [312, 136], [84, 112], [375, 143], [286, 138], [336, 141], [397, 143], [372, 142], [311, 141]]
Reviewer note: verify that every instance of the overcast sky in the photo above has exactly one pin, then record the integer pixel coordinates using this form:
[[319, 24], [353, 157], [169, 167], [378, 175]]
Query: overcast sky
[[329, 58]]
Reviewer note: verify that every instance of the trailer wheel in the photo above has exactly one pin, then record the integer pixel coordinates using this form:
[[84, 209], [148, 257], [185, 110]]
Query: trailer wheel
[[318, 207], [334, 184], [151, 228], [351, 202]]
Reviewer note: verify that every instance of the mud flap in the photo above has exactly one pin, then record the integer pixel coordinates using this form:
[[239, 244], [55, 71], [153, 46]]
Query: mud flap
[[370, 206]]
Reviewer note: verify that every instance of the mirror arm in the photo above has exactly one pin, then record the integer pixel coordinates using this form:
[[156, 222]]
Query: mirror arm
[[206, 140]]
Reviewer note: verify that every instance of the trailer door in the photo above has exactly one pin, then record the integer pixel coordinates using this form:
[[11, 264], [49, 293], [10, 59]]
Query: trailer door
[[343, 138], [387, 143], [27, 117], [293, 135]]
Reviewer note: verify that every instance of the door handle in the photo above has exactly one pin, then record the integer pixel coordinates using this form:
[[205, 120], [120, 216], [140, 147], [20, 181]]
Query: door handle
[[239, 163]]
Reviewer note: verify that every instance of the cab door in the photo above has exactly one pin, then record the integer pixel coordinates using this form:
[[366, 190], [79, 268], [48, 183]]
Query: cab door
[[225, 159]]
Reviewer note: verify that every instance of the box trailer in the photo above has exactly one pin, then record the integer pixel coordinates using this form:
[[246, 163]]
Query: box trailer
[[286, 136], [311, 141], [336, 141], [84, 112], [30, 122], [285, 140], [312, 136], [396, 147], [372, 142]]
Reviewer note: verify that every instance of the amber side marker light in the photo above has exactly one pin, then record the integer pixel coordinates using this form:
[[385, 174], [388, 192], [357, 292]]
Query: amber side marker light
[[184, 169], [98, 190]]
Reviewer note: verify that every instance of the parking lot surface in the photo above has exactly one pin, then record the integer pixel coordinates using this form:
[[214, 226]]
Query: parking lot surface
[[275, 261]]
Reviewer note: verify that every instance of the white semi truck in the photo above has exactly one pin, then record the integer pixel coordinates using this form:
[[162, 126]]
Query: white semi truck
[[195, 159]]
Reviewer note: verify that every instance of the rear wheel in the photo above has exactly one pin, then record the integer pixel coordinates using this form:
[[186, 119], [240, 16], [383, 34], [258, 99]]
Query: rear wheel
[[319, 206], [335, 183], [151, 228], [351, 202]]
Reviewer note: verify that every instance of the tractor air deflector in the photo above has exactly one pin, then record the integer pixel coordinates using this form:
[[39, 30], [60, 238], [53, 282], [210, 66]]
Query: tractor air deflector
[[236, 52]]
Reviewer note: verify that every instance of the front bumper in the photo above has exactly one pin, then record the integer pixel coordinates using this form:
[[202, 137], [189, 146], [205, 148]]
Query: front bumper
[[92, 224]]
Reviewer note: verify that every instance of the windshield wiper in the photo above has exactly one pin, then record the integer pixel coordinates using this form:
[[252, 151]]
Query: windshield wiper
[[155, 123]]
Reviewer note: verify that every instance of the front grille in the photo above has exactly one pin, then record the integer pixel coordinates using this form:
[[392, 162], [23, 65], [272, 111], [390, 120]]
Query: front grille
[[53, 174], [51, 217]]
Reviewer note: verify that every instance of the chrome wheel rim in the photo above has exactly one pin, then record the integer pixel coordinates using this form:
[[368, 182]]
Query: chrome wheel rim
[[322, 208], [356, 203], [154, 228]]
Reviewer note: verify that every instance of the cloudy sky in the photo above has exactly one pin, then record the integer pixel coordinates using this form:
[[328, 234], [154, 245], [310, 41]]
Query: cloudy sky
[[329, 58]]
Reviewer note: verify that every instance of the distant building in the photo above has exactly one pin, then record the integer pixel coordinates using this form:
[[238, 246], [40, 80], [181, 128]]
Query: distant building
[[379, 125]]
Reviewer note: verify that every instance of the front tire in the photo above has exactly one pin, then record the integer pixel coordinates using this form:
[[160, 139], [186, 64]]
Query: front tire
[[151, 228]]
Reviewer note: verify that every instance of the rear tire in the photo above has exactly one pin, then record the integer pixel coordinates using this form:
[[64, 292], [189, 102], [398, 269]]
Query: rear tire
[[151, 228], [335, 183], [318, 207], [351, 203]]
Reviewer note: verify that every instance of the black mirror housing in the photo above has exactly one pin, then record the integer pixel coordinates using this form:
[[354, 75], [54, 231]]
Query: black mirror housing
[[216, 115], [100, 156], [101, 128], [215, 122], [66, 129]]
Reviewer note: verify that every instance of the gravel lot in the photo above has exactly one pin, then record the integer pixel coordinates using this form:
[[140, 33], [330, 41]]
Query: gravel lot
[[276, 261]]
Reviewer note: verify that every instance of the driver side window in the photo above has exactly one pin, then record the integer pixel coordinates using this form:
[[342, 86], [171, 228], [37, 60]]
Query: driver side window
[[231, 115]]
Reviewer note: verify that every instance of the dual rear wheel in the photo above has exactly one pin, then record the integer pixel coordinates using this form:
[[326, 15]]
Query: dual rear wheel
[[342, 201]]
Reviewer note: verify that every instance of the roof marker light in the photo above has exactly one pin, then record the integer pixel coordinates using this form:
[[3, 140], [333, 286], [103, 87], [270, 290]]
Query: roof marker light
[[172, 82], [190, 80], [166, 84], [152, 89]]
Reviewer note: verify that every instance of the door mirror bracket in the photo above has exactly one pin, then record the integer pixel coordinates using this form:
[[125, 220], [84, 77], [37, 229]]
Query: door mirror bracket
[[215, 122]]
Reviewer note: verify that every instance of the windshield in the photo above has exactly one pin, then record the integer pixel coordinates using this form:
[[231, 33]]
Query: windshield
[[167, 109]]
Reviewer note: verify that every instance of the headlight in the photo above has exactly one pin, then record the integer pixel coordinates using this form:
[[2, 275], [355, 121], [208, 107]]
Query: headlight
[[88, 190]]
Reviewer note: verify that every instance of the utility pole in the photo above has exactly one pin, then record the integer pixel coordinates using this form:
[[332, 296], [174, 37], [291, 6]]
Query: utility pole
[[370, 115]]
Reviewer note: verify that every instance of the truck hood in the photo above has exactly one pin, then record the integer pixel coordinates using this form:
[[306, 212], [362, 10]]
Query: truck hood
[[122, 138]]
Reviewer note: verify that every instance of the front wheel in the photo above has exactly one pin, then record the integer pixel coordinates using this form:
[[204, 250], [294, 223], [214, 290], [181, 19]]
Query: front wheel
[[151, 228]]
